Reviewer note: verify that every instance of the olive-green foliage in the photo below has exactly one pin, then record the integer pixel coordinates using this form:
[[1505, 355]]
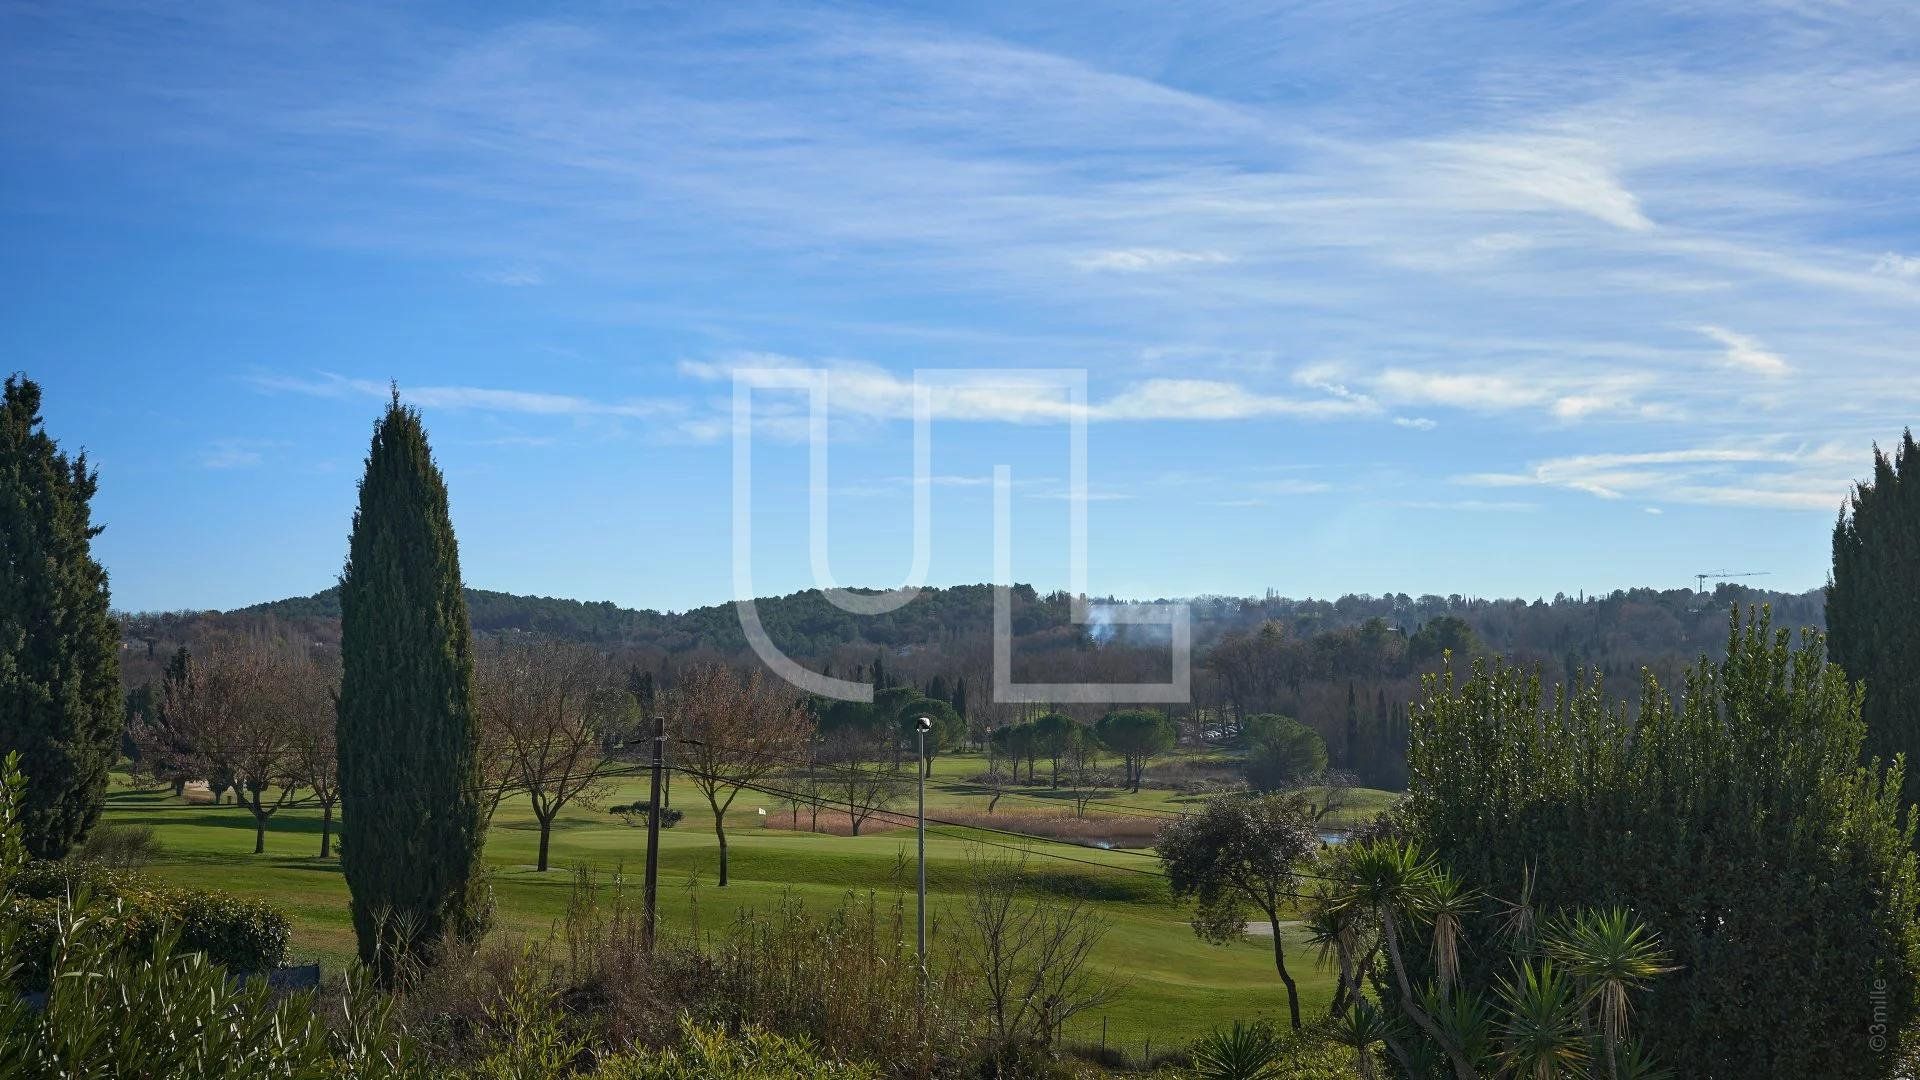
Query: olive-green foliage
[[1281, 751], [411, 827], [709, 1053], [1136, 735], [60, 701], [1736, 822], [1053, 735], [1438, 637], [240, 935], [160, 1010], [1872, 631]]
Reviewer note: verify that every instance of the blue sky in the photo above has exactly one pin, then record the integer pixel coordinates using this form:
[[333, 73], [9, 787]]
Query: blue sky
[[1499, 299]]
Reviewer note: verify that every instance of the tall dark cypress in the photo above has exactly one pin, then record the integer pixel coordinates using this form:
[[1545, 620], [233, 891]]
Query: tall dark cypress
[[60, 703], [1352, 748], [412, 830], [1871, 629]]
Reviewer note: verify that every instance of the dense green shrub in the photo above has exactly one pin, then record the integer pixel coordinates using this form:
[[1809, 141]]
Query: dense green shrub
[[119, 847], [1736, 822], [636, 814], [716, 1054], [159, 1010], [1263, 1051], [1281, 751], [240, 935]]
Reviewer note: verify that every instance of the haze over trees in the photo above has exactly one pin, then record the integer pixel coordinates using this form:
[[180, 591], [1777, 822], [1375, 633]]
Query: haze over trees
[[1872, 631], [409, 770], [60, 698]]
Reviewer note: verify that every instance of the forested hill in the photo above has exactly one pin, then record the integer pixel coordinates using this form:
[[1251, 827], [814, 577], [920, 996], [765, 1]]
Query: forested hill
[[1625, 626]]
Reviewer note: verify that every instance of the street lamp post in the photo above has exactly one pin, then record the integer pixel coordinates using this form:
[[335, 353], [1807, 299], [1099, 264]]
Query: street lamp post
[[924, 725]]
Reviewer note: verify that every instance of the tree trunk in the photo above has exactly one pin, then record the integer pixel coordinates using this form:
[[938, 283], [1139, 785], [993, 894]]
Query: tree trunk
[[259, 834], [326, 830], [720, 831], [546, 835], [179, 787], [1280, 962]]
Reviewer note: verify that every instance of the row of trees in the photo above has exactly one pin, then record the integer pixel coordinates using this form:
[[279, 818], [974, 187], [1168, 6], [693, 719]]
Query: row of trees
[[258, 716]]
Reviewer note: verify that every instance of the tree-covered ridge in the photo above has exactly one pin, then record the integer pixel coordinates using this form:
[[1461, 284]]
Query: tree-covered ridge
[[1624, 623]]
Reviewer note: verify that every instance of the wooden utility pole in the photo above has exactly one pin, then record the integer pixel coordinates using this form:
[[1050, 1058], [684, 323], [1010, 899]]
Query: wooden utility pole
[[651, 893]]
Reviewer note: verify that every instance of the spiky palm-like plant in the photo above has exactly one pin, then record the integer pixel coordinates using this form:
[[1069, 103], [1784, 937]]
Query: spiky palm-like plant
[[1362, 1027], [1444, 905], [1243, 1052], [1541, 1036], [1611, 956]]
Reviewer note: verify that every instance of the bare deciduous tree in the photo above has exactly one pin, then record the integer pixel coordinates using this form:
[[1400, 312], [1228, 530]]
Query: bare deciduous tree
[[316, 748], [859, 770], [549, 706], [1028, 955], [735, 732], [240, 706]]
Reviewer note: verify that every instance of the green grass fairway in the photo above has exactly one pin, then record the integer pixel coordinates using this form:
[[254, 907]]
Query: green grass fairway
[[1175, 985]]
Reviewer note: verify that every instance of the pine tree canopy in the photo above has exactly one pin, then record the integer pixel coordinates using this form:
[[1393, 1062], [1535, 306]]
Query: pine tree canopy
[[60, 703]]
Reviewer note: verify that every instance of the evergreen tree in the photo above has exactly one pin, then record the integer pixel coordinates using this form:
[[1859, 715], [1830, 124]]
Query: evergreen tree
[[60, 704], [937, 689], [1737, 821], [412, 828], [1380, 738], [1871, 630], [1352, 749], [960, 697]]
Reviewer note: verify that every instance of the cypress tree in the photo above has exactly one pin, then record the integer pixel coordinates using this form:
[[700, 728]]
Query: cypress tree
[[412, 829], [1352, 749], [1871, 630], [60, 704]]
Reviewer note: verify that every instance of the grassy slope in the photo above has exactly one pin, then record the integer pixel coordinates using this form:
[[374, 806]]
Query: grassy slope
[[1176, 986]]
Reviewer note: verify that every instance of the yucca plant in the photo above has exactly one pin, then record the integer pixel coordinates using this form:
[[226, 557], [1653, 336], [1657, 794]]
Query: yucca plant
[[1445, 904], [1344, 940], [1242, 1052], [1541, 1034], [1362, 1027], [1611, 956], [1466, 1020]]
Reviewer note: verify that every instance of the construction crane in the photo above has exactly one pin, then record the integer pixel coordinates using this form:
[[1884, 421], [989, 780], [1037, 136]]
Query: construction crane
[[1700, 579]]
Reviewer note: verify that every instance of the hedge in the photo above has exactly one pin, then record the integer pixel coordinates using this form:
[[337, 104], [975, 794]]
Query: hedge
[[244, 936]]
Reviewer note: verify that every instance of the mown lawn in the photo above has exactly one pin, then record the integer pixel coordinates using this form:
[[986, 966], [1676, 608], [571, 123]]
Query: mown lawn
[[1175, 985]]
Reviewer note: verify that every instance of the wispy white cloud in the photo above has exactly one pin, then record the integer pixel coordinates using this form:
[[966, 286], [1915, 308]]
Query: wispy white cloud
[[869, 391], [1473, 506], [1801, 478], [233, 454], [1565, 173], [1139, 259], [1896, 265], [480, 398], [1746, 353], [1417, 423]]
